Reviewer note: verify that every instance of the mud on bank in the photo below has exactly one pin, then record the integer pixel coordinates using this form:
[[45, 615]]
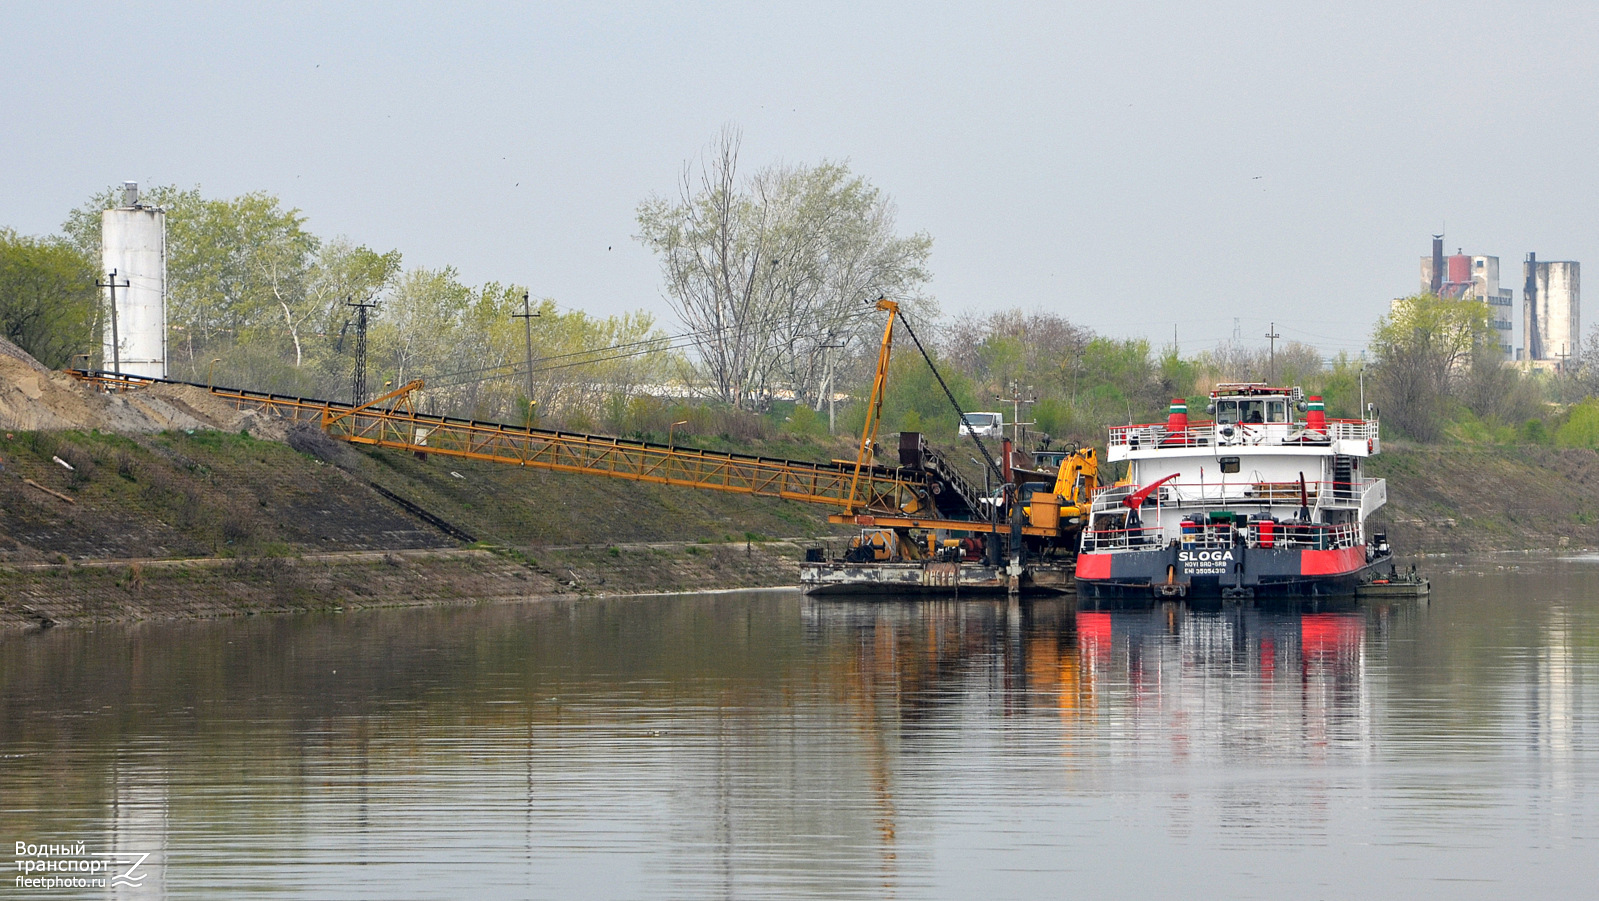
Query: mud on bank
[[43, 595]]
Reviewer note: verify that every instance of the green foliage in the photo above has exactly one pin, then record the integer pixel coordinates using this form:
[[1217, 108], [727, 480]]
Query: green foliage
[[1340, 387], [1581, 428], [1177, 376], [914, 402], [1423, 350], [803, 421], [48, 301], [1533, 431]]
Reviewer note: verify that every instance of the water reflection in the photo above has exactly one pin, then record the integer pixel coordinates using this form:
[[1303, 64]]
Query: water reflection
[[764, 745]]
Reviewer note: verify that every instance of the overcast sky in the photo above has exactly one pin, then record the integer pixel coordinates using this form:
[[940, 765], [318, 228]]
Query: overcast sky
[[1134, 167]]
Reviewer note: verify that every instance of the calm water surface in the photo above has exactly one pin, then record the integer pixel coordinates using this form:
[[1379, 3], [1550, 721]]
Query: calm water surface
[[768, 746]]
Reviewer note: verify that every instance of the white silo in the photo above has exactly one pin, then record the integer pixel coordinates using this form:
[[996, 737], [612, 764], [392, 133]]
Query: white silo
[[133, 253], [1554, 310]]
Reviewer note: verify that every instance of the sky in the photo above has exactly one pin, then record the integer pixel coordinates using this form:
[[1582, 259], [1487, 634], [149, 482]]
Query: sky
[[1145, 170]]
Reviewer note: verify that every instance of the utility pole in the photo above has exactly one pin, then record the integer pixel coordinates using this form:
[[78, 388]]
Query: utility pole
[[527, 316], [1362, 384], [358, 376], [1016, 402], [116, 340], [830, 363], [1272, 358]]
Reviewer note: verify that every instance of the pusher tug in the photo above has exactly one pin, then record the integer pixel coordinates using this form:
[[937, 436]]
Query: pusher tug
[[1257, 503]]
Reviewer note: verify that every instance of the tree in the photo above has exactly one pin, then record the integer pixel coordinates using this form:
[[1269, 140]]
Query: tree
[[419, 329], [1035, 348], [466, 344], [48, 300], [1581, 428], [1495, 392], [250, 285], [915, 402], [1294, 363], [1585, 377], [1423, 350], [772, 270]]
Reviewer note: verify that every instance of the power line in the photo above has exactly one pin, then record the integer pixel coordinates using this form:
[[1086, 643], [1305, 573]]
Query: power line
[[513, 369], [592, 350]]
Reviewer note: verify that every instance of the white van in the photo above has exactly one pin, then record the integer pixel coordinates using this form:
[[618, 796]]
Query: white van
[[984, 425]]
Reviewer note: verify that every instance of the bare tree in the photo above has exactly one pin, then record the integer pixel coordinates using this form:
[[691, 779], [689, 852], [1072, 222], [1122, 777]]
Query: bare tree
[[775, 271]]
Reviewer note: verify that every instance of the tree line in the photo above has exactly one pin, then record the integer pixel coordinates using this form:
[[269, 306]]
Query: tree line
[[772, 275], [256, 299]]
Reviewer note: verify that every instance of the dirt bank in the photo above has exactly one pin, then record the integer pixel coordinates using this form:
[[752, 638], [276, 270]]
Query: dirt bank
[[33, 398], [50, 594], [1461, 500]]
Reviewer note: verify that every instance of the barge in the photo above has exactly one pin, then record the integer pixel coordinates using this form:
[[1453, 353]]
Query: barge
[[1260, 502]]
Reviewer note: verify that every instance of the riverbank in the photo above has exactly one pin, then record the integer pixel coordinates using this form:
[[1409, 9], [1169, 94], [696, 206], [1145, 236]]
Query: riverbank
[[97, 526], [87, 592], [1455, 499]]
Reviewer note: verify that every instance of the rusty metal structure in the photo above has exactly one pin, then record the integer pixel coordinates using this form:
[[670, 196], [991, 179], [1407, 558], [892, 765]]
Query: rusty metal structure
[[867, 493]]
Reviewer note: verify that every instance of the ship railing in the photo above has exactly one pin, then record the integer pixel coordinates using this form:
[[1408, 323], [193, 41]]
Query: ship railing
[[1313, 536], [1353, 429], [1279, 534], [1287, 535], [1210, 434], [1121, 539], [1185, 495]]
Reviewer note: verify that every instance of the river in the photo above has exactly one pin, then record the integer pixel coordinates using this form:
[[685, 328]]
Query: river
[[766, 745]]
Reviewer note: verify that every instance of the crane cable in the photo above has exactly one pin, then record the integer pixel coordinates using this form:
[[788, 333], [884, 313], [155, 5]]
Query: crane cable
[[998, 474]]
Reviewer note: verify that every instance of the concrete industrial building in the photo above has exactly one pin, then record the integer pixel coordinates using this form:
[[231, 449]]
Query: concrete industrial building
[[1552, 315], [1471, 278]]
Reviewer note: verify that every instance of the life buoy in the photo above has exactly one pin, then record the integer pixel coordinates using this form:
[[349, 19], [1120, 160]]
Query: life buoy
[[1369, 445]]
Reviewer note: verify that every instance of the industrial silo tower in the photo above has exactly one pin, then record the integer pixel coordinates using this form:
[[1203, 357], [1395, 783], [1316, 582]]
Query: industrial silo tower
[[1553, 311], [133, 252]]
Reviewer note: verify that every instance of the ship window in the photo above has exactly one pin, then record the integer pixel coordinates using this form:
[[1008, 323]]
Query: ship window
[[1277, 411], [1254, 410], [1226, 411], [1229, 464]]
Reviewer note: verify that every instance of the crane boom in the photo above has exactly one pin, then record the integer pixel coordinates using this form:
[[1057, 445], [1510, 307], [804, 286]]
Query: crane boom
[[858, 486]]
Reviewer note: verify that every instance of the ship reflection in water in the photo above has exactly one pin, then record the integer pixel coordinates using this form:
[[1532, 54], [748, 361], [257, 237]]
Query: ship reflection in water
[[1156, 686], [768, 745]]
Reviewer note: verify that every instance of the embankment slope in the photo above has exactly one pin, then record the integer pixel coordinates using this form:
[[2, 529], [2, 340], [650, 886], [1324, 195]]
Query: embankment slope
[[1480, 499], [168, 502]]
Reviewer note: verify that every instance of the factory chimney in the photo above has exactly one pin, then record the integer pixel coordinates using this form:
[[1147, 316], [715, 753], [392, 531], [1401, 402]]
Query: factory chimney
[[1531, 328], [1437, 283]]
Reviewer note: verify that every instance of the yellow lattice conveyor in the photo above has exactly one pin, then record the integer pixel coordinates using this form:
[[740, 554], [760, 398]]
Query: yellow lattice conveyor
[[879, 489]]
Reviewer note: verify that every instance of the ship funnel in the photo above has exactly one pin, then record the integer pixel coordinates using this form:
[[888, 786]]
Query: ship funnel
[[1315, 414], [1177, 416]]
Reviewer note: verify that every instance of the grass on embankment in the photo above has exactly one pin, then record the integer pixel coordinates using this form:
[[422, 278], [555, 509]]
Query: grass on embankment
[[277, 519], [1475, 498]]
